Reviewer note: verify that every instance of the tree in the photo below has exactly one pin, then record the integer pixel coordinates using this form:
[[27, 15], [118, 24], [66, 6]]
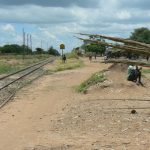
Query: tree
[[141, 35], [77, 51], [53, 51], [39, 50], [94, 48], [15, 49]]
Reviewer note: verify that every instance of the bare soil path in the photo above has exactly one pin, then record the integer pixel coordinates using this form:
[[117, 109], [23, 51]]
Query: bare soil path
[[50, 115], [25, 122]]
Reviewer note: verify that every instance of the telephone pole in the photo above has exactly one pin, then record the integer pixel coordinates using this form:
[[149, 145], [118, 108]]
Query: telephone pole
[[41, 44], [47, 46], [27, 43], [24, 39], [30, 41], [27, 40]]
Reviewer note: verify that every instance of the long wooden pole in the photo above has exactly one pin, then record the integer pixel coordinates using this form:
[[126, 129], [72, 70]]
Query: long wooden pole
[[122, 47], [126, 41]]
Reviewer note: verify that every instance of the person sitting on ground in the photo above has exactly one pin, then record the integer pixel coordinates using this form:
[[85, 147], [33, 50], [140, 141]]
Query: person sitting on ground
[[131, 73], [134, 74]]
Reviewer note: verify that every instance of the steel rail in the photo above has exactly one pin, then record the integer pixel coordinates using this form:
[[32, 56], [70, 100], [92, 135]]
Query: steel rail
[[24, 75], [4, 77], [12, 95]]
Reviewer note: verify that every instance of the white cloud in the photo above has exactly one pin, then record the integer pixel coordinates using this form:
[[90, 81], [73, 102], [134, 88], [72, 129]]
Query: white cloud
[[8, 28], [58, 20], [123, 15]]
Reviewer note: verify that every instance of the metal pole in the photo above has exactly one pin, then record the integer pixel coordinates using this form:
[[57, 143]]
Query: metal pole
[[31, 42], [27, 43], [27, 40], [62, 55], [41, 43], [47, 45], [23, 42]]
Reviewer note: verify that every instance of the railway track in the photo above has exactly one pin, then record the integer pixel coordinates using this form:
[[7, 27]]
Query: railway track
[[10, 83]]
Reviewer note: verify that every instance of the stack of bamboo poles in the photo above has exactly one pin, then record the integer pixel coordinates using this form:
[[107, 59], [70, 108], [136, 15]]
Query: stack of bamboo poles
[[123, 45]]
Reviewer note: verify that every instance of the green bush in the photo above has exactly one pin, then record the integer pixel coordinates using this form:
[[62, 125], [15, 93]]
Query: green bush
[[72, 55], [94, 79]]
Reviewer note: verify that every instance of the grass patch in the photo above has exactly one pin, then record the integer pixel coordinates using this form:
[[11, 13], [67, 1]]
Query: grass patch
[[69, 65], [12, 63], [145, 71], [16, 57], [72, 55], [94, 79], [7, 68]]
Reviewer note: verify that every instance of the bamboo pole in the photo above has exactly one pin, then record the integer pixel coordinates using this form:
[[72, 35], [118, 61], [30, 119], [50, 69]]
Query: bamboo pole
[[125, 61], [126, 41], [122, 47]]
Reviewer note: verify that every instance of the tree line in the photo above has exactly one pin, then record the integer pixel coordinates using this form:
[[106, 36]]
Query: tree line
[[22, 49]]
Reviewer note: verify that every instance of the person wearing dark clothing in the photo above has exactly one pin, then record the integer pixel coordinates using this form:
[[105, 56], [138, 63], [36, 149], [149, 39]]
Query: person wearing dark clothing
[[131, 73], [134, 74], [95, 55], [138, 74], [64, 58], [147, 58], [90, 58]]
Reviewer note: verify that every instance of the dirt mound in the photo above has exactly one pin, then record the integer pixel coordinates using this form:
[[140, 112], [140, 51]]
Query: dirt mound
[[116, 82], [118, 67]]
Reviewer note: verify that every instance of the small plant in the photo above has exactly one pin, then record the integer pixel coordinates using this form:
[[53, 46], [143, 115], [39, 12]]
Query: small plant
[[94, 79], [69, 65]]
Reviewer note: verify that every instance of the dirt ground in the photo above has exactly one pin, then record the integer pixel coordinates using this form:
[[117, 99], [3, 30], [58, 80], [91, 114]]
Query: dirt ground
[[50, 115]]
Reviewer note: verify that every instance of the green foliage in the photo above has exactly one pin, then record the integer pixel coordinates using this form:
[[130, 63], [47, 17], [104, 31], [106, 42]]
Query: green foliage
[[146, 71], [69, 65], [71, 55], [77, 51], [37, 57], [6, 68], [94, 79], [141, 35], [39, 50], [10, 63], [95, 48], [53, 51], [15, 49]]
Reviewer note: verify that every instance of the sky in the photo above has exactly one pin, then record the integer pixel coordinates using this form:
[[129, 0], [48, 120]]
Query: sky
[[53, 22]]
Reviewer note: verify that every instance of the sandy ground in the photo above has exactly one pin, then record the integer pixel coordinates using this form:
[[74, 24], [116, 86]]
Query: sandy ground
[[50, 115]]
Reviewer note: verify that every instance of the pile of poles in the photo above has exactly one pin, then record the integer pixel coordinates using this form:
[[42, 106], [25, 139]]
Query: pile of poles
[[120, 44]]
